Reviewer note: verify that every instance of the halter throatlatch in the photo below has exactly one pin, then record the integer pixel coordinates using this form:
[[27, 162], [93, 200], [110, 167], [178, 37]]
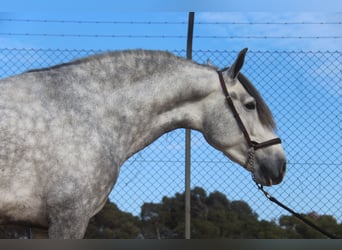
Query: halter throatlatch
[[252, 145]]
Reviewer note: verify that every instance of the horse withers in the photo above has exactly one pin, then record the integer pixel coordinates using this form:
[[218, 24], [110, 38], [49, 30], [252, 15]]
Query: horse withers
[[66, 130]]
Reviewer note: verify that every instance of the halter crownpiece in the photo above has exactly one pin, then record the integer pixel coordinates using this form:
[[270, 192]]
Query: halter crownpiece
[[252, 145]]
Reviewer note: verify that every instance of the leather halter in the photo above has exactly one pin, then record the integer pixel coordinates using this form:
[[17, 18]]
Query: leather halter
[[252, 145]]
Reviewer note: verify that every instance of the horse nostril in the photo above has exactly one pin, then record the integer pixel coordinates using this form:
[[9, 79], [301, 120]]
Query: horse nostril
[[283, 168]]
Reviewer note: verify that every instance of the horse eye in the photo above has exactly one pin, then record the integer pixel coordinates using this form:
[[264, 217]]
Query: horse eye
[[250, 105]]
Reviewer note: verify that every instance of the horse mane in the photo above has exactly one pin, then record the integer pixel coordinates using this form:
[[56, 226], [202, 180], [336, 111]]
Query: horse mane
[[264, 112], [111, 54]]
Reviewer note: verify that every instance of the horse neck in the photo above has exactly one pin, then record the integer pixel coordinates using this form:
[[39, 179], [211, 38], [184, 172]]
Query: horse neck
[[170, 101]]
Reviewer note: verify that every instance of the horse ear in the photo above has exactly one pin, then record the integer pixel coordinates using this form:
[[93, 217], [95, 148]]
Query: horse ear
[[234, 70]]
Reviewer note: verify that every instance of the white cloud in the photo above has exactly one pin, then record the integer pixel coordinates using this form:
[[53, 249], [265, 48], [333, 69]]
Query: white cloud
[[243, 28], [13, 43]]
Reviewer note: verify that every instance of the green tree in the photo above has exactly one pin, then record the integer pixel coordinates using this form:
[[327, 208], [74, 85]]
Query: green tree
[[212, 216], [164, 220], [112, 223], [297, 229]]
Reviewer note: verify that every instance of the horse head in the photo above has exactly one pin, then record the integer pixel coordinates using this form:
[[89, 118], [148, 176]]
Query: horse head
[[240, 124]]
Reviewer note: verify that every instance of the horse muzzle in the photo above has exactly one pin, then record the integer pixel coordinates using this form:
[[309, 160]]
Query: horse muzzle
[[270, 172]]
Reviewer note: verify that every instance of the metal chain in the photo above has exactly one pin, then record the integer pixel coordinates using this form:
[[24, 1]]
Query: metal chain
[[250, 161]]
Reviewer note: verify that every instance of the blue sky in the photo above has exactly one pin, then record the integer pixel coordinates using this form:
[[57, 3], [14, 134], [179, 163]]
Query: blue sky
[[83, 35], [176, 5], [320, 18]]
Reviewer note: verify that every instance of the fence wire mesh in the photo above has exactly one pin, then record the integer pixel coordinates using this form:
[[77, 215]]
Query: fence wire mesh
[[303, 90]]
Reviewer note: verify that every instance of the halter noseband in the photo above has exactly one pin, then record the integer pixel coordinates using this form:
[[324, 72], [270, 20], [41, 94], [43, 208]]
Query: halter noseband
[[252, 145]]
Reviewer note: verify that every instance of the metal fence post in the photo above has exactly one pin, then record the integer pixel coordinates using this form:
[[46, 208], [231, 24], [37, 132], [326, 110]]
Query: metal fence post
[[188, 138]]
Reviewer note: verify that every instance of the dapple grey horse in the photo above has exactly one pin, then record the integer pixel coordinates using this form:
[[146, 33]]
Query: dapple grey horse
[[66, 130]]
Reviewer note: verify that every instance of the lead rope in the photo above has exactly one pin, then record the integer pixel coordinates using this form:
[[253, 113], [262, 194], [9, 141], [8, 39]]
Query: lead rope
[[311, 224], [250, 166]]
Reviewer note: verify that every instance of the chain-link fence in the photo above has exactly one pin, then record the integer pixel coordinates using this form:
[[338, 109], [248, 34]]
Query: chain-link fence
[[304, 92]]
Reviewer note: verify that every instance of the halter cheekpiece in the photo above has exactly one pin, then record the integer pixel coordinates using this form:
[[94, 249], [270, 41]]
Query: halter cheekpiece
[[252, 145]]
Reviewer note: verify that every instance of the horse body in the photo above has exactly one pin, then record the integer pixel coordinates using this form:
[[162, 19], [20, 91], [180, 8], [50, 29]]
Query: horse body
[[66, 130]]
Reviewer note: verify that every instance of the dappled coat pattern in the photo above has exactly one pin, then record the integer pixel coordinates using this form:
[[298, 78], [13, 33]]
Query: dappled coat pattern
[[66, 130]]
